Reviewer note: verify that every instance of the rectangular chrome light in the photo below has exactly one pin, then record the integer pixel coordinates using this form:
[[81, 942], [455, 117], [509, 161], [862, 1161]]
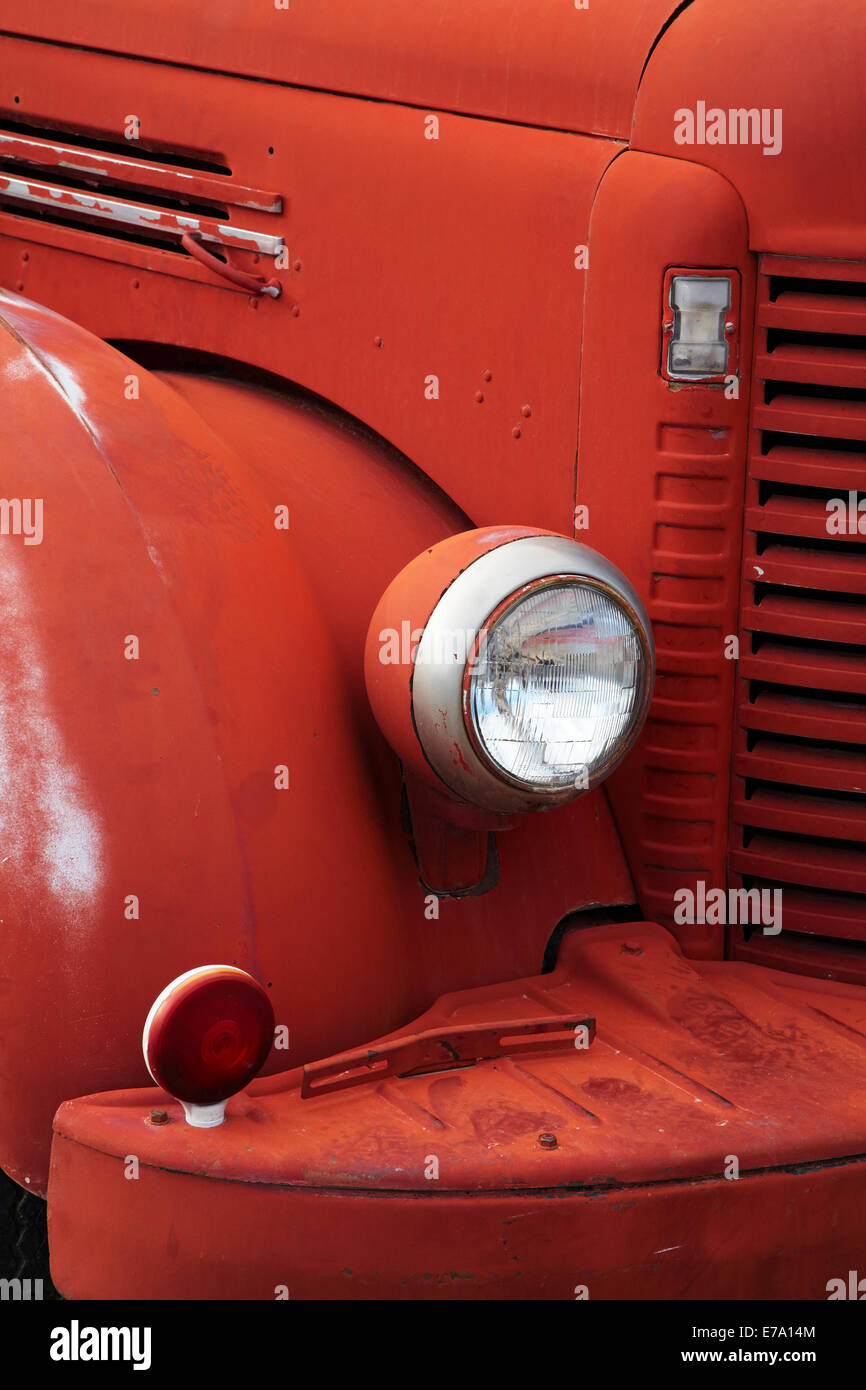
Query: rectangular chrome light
[[698, 333]]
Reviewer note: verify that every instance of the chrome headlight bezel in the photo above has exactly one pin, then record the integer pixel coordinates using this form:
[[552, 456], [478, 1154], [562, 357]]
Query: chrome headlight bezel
[[481, 595]]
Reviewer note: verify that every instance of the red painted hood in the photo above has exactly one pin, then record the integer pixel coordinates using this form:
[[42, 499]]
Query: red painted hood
[[539, 62], [547, 63], [800, 58]]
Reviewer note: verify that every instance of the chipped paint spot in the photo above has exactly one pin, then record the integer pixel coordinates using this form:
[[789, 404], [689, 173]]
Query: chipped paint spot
[[82, 168], [100, 164], [457, 757], [156, 560], [129, 214]]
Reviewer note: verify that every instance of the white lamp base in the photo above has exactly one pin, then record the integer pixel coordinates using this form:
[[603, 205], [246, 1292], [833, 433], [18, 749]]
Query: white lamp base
[[204, 1116]]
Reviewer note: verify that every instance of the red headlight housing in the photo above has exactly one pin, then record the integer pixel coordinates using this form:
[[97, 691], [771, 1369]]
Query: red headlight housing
[[207, 1035]]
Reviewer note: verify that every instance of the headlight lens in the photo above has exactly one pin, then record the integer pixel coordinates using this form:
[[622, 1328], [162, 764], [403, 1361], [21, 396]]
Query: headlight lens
[[526, 671], [554, 688]]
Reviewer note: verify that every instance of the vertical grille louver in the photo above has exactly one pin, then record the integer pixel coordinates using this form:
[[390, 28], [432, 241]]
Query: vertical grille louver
[[799, 791]]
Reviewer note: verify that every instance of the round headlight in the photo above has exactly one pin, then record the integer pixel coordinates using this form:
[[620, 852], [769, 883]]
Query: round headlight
[[526, 670], [554, 685]]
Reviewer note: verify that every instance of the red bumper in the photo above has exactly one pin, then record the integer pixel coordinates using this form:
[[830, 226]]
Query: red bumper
[[709, 1143]]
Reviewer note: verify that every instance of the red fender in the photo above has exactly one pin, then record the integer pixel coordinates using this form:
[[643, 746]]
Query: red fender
[[190, 772]]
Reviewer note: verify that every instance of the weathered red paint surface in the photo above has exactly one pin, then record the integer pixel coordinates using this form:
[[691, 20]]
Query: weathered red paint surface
[[436, 1185], [156, 777], [212, 1239], [411, 263], [540, 62], [436, 186]]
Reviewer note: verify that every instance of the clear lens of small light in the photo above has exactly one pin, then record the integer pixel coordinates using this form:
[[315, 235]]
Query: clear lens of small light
[[557, 685], [699, 346]]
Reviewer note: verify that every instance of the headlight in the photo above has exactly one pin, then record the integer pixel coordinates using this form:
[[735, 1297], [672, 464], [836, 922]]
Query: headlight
[[554, 686], [530, 674]]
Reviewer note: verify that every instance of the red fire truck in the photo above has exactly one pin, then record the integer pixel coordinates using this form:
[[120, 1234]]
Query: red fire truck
[[433, 648]]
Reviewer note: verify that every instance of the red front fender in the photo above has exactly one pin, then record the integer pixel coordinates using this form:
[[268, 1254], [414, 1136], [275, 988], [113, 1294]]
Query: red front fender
[[166, 651]]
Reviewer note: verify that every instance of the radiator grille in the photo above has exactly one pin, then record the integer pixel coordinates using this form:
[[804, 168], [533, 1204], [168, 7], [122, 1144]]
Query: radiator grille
[[799, 790]]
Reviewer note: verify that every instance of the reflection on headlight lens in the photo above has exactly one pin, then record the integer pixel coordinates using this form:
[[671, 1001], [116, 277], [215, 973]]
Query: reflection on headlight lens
[[556, 686]]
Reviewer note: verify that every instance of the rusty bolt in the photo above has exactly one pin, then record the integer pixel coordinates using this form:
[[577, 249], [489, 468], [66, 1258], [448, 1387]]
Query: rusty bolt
[[159, 1117], [548, 1141]]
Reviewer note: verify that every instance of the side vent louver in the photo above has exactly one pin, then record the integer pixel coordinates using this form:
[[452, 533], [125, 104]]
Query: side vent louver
[[143, 197]]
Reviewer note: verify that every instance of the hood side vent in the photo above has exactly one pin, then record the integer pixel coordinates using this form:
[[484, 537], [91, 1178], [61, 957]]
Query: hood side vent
[[129, 196]]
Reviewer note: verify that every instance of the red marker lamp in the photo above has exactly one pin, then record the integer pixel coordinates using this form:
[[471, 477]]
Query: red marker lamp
[[207, 1035]]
